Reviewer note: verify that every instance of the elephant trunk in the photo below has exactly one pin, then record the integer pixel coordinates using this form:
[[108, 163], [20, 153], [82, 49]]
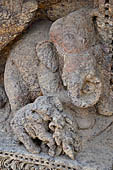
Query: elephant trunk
[[84, 91]]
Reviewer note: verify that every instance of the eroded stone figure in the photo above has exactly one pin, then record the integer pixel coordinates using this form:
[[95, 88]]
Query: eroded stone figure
[[72, 69], [45, 120], [85, 64]]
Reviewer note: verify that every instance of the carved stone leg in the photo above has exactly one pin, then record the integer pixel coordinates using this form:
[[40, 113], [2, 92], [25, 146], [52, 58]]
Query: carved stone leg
[[45, 136], [29, 144], [68, 150], [23, 136], [40, 132], [15, 87]]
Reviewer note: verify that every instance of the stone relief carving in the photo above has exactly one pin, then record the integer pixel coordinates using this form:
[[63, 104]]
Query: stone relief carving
[[45, 120], [58, 80], [71, 65]]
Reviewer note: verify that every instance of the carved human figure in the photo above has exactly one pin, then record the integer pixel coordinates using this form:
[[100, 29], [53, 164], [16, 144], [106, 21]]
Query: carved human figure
[[72, 67]]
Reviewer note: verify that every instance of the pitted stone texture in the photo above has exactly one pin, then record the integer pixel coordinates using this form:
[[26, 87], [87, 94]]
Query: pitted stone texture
[[5, 118], [96, 152], [85, 71], [3, 58], [45, 120], [95, 130], [16, 15], [75, 45], [64, 7], [48, 72], [104, 22], [14, 20], [21, 79], [79, 76], [3, 97], [77, 66]]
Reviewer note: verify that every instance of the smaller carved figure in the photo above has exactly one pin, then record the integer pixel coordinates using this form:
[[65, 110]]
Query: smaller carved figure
[[45, 120]]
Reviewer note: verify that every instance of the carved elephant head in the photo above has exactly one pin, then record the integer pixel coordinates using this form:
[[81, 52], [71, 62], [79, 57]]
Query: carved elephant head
[[75, 40]]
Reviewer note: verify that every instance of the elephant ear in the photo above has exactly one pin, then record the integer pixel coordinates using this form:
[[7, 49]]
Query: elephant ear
[[47, 55]]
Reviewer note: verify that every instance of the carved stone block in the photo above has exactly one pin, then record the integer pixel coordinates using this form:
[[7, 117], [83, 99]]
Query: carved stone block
[[58, 81]]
